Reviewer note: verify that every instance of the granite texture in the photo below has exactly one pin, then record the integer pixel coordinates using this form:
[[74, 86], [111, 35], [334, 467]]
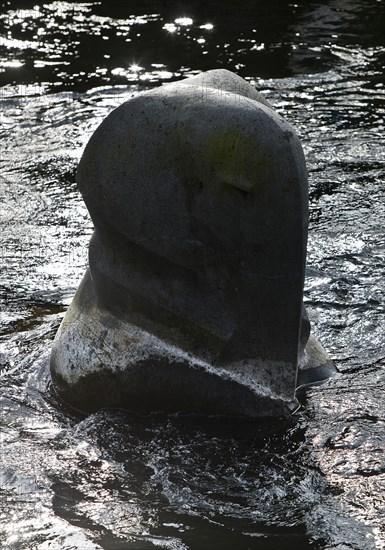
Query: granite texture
[[193, 297]]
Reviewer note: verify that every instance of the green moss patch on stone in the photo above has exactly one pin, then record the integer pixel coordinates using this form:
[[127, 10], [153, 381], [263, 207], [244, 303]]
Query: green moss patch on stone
[[237, 161]]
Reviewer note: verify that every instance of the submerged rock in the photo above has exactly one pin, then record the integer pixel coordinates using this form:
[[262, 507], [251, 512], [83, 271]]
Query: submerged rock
[[193, 297]]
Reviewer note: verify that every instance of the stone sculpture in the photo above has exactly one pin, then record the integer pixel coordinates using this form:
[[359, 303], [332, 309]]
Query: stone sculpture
[[193, 297]]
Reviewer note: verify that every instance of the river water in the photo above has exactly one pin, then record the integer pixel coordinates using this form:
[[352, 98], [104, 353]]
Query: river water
[[115, 480]]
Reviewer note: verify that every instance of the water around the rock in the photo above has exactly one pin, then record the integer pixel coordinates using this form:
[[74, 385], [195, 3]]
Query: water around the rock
[[113, 480]]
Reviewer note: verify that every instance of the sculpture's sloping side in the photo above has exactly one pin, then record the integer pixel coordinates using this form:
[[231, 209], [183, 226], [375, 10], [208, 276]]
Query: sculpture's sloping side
[[193, 296]]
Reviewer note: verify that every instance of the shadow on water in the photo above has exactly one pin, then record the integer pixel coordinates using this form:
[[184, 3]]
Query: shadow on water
[[204, 482]]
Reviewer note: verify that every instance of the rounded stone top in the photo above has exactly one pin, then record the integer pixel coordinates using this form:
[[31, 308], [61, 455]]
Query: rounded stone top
[[198, 171]]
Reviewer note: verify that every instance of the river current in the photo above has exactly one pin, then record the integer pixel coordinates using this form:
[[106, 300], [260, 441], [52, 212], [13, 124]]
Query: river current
[[116, 480]]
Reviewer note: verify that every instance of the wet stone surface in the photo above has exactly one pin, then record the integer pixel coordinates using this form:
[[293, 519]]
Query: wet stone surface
[[192, 301]]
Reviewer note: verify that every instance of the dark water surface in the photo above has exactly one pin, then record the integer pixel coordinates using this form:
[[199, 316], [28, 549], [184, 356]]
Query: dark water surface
[[114, 480]]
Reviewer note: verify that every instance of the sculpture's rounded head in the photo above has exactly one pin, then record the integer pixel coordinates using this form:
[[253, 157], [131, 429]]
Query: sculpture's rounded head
[[198, 193]]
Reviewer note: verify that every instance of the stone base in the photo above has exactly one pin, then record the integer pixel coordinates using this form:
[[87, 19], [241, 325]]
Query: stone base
[[101, 361]]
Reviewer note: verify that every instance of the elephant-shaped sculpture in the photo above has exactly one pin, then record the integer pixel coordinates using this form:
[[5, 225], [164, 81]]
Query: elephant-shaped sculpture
[[193, 299]]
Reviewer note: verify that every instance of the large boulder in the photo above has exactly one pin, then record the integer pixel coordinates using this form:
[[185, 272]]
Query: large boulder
[[193, 297]]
